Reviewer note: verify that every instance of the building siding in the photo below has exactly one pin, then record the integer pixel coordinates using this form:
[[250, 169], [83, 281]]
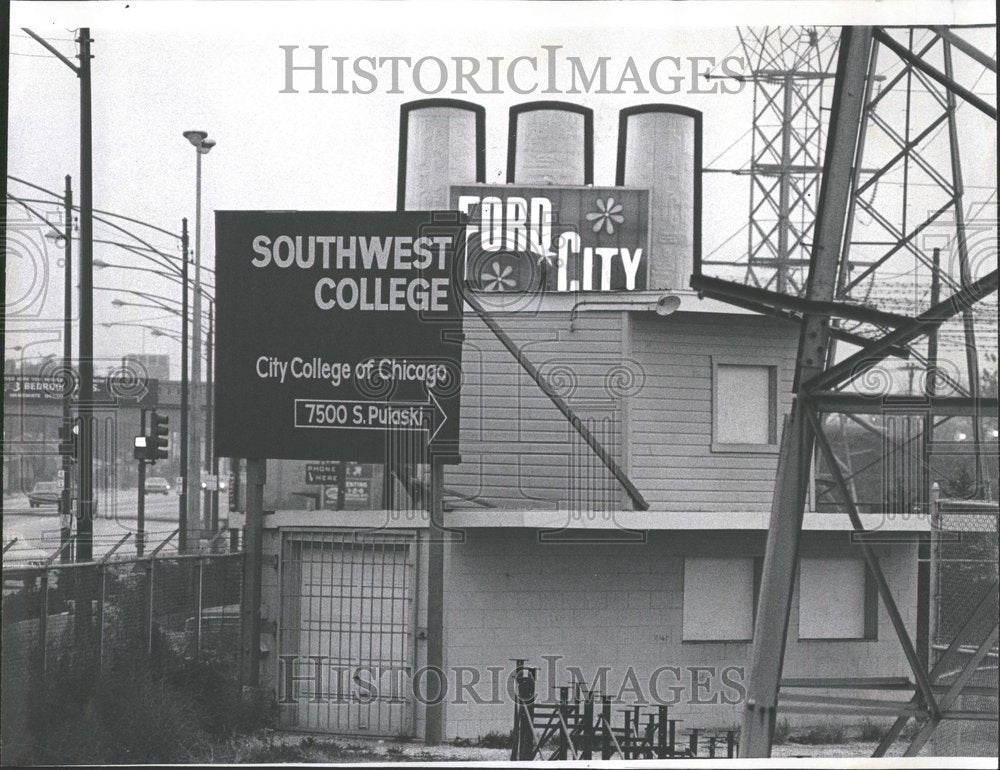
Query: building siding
[[670, 431]]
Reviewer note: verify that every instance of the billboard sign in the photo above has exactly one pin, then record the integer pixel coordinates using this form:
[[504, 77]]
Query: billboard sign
[[336, 331], [554, 239], [111, 389]]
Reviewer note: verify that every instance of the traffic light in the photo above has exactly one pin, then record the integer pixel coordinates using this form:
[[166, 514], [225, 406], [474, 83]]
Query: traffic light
[[69, 441], [153, 445], [159, 431]]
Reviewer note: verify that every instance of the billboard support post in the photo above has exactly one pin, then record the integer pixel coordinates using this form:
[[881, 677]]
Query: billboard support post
[[434, 721], [252, 561]]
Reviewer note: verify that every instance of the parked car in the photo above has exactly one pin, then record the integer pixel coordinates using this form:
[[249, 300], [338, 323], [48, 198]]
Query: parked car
[[157, 486], [45, 493]]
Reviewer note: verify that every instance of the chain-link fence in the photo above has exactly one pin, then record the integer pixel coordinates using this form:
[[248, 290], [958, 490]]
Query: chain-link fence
[[964, 571], [69, 622]]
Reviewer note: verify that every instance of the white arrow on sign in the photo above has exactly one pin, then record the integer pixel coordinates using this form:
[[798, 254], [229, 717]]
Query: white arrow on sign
[[342, 415]]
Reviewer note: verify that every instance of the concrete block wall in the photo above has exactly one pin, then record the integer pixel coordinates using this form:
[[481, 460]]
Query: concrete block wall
[[620, 606]]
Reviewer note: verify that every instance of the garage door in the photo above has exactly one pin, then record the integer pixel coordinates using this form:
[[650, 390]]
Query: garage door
[[346, 644]]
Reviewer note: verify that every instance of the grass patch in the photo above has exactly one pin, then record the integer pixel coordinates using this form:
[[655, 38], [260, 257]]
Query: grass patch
[[782, 730], [820, 735], [136, 711], [495, 739], [873, 731]]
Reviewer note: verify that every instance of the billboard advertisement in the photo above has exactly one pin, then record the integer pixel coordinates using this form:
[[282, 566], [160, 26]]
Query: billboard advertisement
[[554, 239], [336, 332]]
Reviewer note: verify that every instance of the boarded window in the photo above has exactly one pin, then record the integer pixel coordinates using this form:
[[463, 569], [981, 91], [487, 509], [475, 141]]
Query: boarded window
[[718, 599], [745, 405], [835, 600]]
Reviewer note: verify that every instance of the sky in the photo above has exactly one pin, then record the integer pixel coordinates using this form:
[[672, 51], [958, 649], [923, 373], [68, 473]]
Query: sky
[[161, 68]]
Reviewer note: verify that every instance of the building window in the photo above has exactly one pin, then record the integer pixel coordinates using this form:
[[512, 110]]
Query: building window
[[744, 407], [718, 599], [837, 599]]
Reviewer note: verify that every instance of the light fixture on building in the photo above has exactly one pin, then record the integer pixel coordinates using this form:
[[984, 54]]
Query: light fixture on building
[[662, 306]]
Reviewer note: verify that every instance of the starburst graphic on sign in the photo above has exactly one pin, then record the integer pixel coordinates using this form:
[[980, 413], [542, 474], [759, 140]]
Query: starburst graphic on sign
[[497, 280], [607, 215], [544, 255]]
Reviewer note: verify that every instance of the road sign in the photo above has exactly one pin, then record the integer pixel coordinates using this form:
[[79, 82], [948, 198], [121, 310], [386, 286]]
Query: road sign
[[337, 331]]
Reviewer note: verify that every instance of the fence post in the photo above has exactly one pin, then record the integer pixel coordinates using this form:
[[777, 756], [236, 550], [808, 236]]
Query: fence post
[[43, 619], [515, 743], [199, 600], [527, 735], [100, 617], [935, 569], [149, 603]]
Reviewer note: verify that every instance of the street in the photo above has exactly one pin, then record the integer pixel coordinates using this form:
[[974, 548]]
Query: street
[[37, 529]]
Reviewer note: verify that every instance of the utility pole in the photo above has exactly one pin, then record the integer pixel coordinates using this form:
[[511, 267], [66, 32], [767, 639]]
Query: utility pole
[[66, 508], [85, 525], [85, 487], [182, 519]]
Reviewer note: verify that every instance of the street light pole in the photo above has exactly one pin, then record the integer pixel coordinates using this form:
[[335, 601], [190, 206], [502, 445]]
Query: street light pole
[[202, 145]]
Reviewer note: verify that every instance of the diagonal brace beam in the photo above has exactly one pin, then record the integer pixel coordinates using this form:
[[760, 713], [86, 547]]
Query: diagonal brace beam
[[987, 606], [865, 359], [885, 593], [967, 48], [954, 691], [609, 462], [908, 56]]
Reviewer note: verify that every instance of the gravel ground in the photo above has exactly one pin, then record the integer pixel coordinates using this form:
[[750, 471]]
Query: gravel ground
[[304, 747]]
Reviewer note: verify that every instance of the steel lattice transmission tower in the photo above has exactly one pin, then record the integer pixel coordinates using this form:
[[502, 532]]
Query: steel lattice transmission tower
[[790, 67]]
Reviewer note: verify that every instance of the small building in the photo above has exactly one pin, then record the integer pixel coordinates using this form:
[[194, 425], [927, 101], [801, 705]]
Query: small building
[[546, 559]]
